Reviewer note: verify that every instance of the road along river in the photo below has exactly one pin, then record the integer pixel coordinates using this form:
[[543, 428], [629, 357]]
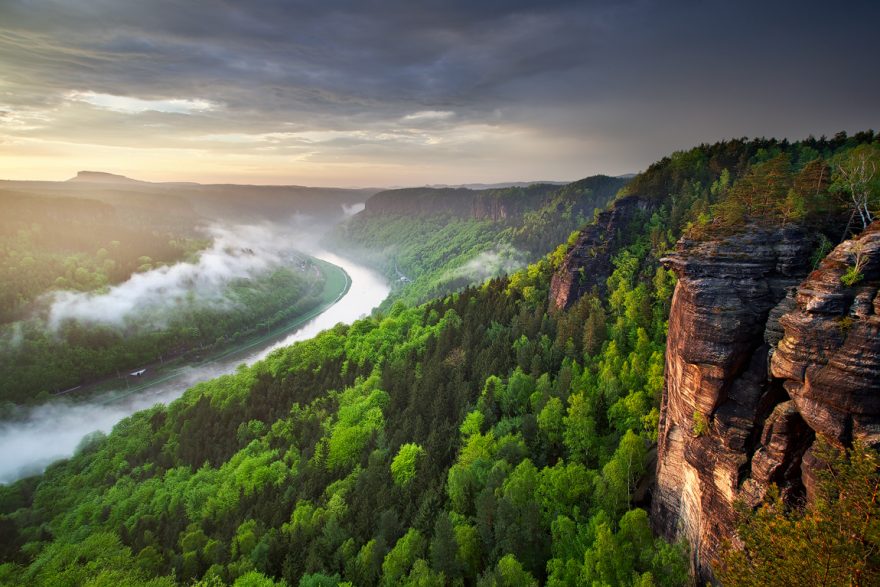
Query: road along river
[[53, 431]]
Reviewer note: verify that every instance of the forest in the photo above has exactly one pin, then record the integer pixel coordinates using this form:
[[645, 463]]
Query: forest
[[57, 244], [37, 362], [479, 438], [431, 242]]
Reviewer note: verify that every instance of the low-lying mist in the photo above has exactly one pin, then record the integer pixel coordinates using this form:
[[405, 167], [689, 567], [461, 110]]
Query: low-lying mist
[[351, 210], [237, 252], [502, 259], [37, 436], [48, 433]]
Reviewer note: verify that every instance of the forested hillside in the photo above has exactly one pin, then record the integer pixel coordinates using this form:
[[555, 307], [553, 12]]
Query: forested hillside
[[170, 281], [83, 244], [433, 241], [462, 439], [489, 437]]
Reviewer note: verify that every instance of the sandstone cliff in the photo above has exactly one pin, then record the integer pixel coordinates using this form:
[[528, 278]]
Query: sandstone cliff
[[760, 360], [588, 263], [496, 204]]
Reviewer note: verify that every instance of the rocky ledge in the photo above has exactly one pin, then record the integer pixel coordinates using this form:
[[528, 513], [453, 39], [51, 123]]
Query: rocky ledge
[[758, 362]]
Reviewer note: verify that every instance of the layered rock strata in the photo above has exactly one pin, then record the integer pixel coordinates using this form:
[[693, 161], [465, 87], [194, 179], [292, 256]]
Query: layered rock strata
[[756, 368], [829, 359], [719, 398]]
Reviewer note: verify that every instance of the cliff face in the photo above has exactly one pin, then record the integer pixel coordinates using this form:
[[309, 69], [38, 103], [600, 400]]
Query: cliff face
[[588, 263], [494, 204], [762, 360], [497, 204]]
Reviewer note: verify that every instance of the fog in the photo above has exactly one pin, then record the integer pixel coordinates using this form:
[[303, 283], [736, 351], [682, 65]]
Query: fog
[[50, 432], [353, 209], [502, 259], [237, 251]]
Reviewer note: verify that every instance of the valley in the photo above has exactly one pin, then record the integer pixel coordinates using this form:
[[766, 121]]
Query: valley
[[533, 425], [38, 436], [439, 294]]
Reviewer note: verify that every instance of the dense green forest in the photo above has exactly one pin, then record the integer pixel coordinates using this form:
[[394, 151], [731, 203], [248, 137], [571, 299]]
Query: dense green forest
[[431, 242], [480, 438], [76, 243], [55, 240], [37, 361]]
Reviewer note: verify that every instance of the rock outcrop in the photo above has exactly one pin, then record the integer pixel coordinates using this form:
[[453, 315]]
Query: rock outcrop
[[829, 358], [494, 205], [497, 204], [588, 262], [758, 362]]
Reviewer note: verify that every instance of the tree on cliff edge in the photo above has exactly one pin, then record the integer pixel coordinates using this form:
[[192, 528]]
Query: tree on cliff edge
[[856, 175], [833, 540]]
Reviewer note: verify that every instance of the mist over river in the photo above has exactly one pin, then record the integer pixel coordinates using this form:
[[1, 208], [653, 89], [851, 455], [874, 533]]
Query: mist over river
[[53, 431]]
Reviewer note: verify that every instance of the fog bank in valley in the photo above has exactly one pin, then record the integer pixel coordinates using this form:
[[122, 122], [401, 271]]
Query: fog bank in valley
[[351, 210], [237, 252], [42, 435], [502, 259]]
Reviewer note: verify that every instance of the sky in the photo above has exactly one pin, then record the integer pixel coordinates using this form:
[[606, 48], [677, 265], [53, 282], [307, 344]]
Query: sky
[[406, 92]]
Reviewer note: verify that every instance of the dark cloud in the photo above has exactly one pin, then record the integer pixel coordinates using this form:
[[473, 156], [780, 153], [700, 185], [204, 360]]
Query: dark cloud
[[639, 77]]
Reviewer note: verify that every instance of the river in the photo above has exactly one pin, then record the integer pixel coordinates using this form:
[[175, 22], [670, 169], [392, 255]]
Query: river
[[53, 431]]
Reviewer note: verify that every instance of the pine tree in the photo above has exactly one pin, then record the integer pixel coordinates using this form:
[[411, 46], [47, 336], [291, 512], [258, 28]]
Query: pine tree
[[833, 540]]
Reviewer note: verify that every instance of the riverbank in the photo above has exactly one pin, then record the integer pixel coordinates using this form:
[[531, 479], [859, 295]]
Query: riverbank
[[337, 284], [44, 434], [329, 284]]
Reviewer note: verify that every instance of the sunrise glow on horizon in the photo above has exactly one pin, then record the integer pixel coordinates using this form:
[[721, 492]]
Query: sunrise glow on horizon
[[346, 94]]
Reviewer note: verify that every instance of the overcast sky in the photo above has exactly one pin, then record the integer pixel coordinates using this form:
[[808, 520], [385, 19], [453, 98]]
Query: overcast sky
[[369, 93]]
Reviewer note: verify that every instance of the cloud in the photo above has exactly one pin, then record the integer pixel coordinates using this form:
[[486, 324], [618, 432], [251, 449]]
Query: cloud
[[500, 260], [353, 208], [130, 105], [428, 115], [609, 86], [24, 436]]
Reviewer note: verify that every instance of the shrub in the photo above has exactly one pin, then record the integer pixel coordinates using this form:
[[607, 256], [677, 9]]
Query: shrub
[[701, 424]]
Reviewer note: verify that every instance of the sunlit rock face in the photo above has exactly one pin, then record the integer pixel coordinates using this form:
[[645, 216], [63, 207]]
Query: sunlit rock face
[[764, 359]]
